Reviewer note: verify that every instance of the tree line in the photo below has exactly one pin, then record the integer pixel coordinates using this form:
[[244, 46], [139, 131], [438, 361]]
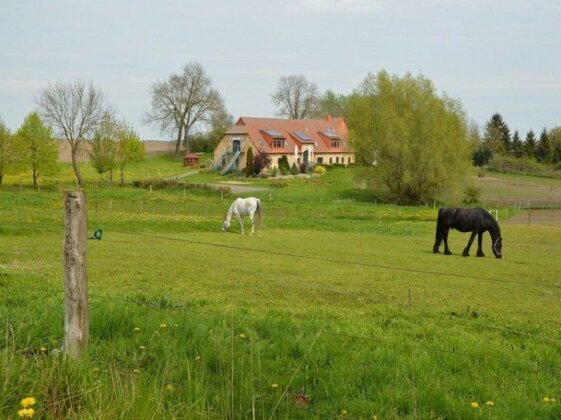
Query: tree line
[[497, 141]]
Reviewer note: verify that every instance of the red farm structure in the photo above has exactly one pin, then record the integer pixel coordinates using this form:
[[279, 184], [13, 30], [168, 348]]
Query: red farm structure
[[191, 159]]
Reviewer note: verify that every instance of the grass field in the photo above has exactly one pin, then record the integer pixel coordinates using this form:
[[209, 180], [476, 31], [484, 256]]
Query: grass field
[[339, 309]]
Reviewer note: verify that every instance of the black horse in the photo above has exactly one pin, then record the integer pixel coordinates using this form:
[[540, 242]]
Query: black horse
[[476, 221]]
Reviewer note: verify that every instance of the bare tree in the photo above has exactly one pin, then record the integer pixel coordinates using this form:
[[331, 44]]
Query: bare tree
[[296, 97], [183, 101], [74, 110]]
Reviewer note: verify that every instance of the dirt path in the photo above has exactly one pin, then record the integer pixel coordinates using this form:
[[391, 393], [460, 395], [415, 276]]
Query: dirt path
[[538, 217]]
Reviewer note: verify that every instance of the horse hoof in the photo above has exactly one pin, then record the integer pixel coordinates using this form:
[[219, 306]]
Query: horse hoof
[[480, 255], [465, 254], [435, 250], [447, 253]]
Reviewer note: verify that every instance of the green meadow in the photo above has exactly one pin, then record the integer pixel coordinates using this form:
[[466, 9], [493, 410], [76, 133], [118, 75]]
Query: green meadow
[[339, 309]]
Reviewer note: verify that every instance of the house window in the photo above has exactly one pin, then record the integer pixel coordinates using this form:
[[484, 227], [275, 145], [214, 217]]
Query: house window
[[337, 159], [320, 160], [349, 160], [334, 143], [330, 160], [278, 144]]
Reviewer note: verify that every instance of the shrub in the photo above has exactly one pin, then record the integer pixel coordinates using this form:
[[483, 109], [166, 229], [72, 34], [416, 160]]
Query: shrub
[[320, 170], [277, 183], [472, 195], [274, 172], [294, 170]]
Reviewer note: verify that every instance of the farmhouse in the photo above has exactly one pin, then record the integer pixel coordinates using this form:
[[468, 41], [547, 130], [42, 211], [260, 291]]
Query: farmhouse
[[309, 141]]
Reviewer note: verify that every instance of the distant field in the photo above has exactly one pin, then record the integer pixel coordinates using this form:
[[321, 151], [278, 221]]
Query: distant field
[[339, 309]]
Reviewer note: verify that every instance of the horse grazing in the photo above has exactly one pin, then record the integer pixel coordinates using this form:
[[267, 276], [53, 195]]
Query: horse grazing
[[477, 221], [244, 207]]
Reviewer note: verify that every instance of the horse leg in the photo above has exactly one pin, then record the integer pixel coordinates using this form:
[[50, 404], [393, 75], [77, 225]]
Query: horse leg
[[437, 242], [445, 237], [252, 225], [468, 246], [479, 245], [241, 223]]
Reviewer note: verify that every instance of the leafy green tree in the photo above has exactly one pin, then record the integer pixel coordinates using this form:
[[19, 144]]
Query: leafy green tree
[[11, 153], [103, 147], [128, 148], [555, 138], [249, 162], [497, 135], [517, 145], [40, 148], [543, 148], [410, 139], [530, 145]]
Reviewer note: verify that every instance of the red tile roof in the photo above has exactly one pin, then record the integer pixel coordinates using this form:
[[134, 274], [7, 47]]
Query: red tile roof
[[318, 130]]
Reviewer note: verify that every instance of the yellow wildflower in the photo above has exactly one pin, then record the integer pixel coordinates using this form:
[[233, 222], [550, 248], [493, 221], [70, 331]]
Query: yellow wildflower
[[546, 399], [474, 404], [275, 386], [490, 403], [142, 347], [552, 400], [242, 335], [136, 371], [136, 329], [26, 413], [163, 326], [42, 349], [198, 358], [343, 412], [169, 387], [28, 401]]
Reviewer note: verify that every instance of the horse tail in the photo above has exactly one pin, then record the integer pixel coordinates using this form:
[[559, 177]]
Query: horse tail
[[439, 230], [259, 212]]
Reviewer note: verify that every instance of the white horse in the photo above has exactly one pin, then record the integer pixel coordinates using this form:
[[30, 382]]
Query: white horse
[[244, 207]]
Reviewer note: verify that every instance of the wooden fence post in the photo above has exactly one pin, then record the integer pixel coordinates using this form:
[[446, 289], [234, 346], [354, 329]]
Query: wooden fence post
[[76, 317]]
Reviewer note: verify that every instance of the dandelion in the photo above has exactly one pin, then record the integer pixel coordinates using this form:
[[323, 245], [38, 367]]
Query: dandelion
[[28, 401], [95, 370], [142, 347], [169, 387], [490, 403], [552, 400], [26, 413], [136, 371], [242, 335], [42, 349], [163, 326], [546, 399], [198, 358], [474, 404], [343, 412], [275, 386], [175, 325], [136, 329]]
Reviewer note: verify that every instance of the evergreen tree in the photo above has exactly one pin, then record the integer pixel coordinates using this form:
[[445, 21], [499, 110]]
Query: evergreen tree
[[41, 149], [249, 162], [530, 145], [517, 145], [497, 135], [543, 148]]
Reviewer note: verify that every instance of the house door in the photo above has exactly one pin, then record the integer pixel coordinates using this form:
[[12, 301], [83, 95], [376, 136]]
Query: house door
[[236, 147], [306, 156]]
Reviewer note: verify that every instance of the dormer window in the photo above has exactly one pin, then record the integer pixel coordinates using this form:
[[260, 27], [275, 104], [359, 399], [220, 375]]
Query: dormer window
[[335, 144], [278, 144]]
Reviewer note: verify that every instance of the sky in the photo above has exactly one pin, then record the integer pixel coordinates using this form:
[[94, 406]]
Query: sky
[[493, 55]]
